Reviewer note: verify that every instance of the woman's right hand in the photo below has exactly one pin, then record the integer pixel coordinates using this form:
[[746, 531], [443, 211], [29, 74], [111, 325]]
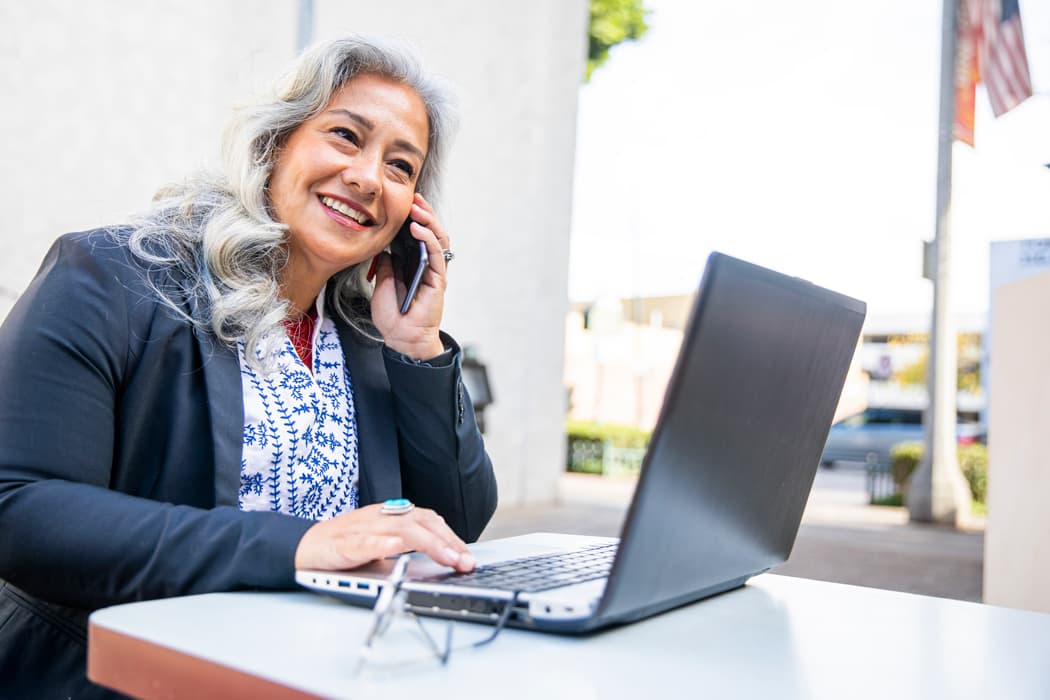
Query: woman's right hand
[[366, 534]]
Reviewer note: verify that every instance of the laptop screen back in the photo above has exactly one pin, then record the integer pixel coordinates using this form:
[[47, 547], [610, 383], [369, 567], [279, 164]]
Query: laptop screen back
[[745, 417]]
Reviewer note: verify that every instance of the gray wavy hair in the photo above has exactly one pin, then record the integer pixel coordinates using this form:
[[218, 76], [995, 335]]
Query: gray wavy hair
[[214, 234]]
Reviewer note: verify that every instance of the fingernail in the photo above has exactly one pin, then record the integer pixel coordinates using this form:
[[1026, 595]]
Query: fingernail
[[452, 555], [467, 560]]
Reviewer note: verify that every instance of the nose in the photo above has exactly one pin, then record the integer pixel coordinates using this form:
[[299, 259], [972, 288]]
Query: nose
[[363, 173]]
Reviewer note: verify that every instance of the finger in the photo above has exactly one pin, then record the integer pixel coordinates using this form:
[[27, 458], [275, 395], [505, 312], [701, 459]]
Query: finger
[[428, 218], [437, 525], [425, 531], [423, 215], [435, 252], [420, 539], [421, 202]]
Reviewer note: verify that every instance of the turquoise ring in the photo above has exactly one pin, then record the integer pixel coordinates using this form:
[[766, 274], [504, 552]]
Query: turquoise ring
[[397, 506]]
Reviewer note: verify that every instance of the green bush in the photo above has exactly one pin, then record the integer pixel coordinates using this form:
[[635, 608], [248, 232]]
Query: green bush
[[616, 435], [973, 461], [594, 447], [904, 458], [894, 499]]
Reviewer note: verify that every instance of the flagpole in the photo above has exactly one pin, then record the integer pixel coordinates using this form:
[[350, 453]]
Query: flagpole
[[305, 28], [937, 492]]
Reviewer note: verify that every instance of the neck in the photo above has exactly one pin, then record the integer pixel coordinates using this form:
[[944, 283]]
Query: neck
[[300, 283], [302, 302], [301, 296]]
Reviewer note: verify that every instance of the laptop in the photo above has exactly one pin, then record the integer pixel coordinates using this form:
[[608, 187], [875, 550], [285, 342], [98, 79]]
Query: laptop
[[722, 486]]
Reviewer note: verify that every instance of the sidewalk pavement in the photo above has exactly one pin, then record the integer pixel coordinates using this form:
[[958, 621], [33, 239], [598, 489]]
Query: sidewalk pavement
[[842, 538]]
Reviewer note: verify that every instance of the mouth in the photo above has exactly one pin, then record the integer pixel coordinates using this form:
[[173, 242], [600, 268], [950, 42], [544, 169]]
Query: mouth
[[344, 209]]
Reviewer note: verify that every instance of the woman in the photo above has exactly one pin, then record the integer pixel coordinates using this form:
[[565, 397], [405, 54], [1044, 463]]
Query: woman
[[215, 396]]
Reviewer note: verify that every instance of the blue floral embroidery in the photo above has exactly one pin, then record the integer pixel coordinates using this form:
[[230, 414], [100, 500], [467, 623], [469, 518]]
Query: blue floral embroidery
[[255, 433], [295, 382], [300, 433], [250, 483]]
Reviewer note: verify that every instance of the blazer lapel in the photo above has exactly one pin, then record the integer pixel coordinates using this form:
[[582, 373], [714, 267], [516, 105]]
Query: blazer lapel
[[222, 379], [378, 468]]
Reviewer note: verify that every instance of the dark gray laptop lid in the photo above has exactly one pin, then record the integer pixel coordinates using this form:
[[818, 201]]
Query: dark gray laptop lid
[[732, 460]]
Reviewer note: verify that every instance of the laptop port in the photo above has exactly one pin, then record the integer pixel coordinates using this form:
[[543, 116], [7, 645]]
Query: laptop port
[[344, 584]]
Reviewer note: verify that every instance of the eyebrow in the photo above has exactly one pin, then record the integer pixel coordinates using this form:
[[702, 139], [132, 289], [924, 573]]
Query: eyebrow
[[370, 125]]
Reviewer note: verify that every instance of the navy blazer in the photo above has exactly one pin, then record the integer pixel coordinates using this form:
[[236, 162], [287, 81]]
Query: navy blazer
[[120, 452]]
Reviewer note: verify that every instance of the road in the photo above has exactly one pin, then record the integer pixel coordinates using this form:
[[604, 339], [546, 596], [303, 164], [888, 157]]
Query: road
[[842, 538]]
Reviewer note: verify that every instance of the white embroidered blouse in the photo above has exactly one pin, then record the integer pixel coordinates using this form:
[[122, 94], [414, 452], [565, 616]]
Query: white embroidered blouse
[[300, 436]]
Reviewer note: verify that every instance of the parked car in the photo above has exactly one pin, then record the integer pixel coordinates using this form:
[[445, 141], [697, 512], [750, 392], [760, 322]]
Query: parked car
[[871, 434]]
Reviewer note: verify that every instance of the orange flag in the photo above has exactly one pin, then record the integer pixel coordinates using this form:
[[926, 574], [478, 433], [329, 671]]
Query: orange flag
[[967, 73], [989, 49]]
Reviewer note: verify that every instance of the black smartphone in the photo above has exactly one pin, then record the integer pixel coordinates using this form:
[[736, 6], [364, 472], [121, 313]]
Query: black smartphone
[[410, 260]]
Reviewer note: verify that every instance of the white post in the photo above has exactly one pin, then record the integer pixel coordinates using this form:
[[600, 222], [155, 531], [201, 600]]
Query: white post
[[305, 30], [937, 492]]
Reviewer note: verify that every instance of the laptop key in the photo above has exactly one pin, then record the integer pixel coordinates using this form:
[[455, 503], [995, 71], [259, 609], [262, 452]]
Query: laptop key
[[538, 573]]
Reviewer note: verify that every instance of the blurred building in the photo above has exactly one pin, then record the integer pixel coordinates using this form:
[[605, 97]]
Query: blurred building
[[106, 102], [616, 370], [619, 355]]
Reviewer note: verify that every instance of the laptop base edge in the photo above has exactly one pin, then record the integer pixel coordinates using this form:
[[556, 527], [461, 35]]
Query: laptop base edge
[[520, 618], [600, 621]]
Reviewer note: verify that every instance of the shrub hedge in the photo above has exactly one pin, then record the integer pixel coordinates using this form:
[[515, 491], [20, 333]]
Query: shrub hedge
[[588, 443], [973, 461], [616, 435]]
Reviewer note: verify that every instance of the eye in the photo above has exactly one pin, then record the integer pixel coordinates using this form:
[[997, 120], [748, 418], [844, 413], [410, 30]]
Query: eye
[[344, 133], [404, 166]]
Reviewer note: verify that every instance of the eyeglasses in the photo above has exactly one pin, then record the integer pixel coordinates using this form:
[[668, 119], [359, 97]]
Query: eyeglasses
[[392, 603]]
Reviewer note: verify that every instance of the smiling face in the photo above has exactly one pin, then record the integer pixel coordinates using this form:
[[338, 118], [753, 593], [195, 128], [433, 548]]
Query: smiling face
[[345, 179]]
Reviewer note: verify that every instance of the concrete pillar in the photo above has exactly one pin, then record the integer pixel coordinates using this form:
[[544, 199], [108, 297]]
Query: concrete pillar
[[1017, 539]]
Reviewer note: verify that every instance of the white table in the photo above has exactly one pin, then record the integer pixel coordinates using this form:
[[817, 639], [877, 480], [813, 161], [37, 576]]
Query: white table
[[778, 637]]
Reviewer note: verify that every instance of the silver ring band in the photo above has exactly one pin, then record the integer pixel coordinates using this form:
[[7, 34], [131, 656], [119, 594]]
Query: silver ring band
[[397, 506], [449, 255]]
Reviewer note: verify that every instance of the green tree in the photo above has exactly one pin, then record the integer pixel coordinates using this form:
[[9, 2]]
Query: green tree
[[968, 350], [613, 22]]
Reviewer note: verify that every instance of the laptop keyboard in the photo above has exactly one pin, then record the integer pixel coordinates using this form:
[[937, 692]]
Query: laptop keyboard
[[538, 573]]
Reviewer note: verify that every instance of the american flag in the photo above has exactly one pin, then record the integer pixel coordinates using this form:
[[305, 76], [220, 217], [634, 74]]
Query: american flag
[[1003, 63], [990, 50]]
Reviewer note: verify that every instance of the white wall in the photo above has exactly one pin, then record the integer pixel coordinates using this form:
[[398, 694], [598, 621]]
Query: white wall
[[1017, 539], [105, 102]]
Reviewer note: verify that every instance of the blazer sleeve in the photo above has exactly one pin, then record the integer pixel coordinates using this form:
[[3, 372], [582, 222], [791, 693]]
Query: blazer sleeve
[[444, 465], [65, 534]]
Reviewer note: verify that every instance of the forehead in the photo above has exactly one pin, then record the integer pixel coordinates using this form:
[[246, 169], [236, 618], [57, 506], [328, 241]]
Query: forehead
[[391, 107]]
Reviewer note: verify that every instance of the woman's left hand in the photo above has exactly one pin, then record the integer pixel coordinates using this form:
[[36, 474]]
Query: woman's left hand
[[416, 333]]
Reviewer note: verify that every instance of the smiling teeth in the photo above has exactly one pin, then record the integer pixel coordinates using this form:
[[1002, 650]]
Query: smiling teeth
[[346, 210]]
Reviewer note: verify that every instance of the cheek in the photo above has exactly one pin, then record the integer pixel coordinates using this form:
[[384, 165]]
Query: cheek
[[289, 180], [281, 192], [401, 208]]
